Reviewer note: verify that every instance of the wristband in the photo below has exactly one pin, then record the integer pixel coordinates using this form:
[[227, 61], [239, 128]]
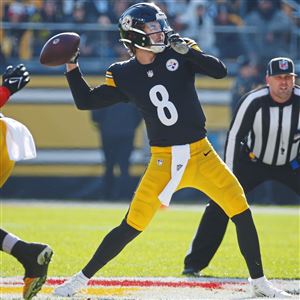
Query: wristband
[[4, 95]]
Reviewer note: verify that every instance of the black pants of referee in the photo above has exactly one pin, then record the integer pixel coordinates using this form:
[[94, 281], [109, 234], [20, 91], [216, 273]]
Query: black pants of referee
[[214, 222]]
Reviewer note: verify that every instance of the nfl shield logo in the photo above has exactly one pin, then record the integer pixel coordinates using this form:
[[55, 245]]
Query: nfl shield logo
[[178, 167], [150, 73], [283, 64]]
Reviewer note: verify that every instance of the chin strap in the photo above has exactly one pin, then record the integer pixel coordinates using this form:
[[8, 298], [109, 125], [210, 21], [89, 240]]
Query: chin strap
[[159, 48]]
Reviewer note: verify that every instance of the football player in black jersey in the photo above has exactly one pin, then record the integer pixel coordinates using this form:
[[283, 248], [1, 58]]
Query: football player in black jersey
[[159, 80]]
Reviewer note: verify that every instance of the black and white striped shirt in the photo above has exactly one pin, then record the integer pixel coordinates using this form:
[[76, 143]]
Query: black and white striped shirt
[[270, 129]]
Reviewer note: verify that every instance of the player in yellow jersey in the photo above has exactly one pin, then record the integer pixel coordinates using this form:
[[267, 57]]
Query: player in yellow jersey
[[159, 80], [16, 143]]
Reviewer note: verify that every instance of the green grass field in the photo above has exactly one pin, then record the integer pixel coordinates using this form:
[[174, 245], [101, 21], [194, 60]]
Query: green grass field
[[74, 232]]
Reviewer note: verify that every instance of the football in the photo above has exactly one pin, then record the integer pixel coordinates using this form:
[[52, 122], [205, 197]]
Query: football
[[59, 49]]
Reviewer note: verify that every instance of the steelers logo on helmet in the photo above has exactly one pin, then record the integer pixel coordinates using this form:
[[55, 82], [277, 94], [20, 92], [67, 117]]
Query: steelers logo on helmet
[[126, 23]]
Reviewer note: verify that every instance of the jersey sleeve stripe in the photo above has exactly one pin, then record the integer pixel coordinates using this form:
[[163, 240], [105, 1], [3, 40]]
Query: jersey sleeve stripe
[[196, 47], [192, 44], [109, 80]]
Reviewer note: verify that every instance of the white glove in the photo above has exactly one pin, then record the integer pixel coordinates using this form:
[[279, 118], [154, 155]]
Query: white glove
[[178, 44]]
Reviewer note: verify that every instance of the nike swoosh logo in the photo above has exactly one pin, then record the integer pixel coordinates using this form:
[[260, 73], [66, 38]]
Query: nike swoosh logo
[[12, 81], [205, 154]]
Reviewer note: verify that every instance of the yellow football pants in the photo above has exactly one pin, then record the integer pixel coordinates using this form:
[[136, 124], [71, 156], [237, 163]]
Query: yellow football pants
[[6, 165], [208, 174]]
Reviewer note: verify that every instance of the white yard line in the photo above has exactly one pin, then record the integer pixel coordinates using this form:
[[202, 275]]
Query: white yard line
[[266, 209]]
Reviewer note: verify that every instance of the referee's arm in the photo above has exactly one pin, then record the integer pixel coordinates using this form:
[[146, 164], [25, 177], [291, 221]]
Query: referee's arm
[[240, 127]]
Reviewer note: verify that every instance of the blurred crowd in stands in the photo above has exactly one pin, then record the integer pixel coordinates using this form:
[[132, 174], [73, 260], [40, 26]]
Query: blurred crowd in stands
[[247, 33], [259, 29]]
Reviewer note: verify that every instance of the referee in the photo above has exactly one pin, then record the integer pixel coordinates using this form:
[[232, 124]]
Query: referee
[[262, 144]]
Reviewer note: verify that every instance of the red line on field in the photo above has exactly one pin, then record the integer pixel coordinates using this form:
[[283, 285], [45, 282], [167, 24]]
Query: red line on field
[[145, 283]]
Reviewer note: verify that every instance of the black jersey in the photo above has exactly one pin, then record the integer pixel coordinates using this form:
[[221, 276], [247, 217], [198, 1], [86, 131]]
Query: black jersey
[[163, 91], [270, 130]]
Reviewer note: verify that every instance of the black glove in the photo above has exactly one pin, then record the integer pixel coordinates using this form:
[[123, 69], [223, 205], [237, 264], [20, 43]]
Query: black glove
[[15, 78], [74, 58], [178, 43]]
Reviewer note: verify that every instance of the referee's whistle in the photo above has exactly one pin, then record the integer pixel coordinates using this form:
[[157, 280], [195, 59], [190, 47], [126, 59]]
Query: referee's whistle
[[252, 155]]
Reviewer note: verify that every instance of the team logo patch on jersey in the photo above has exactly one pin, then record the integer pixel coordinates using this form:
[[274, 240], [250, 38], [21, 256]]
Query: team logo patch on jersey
[[172, 64], [160, 162]]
